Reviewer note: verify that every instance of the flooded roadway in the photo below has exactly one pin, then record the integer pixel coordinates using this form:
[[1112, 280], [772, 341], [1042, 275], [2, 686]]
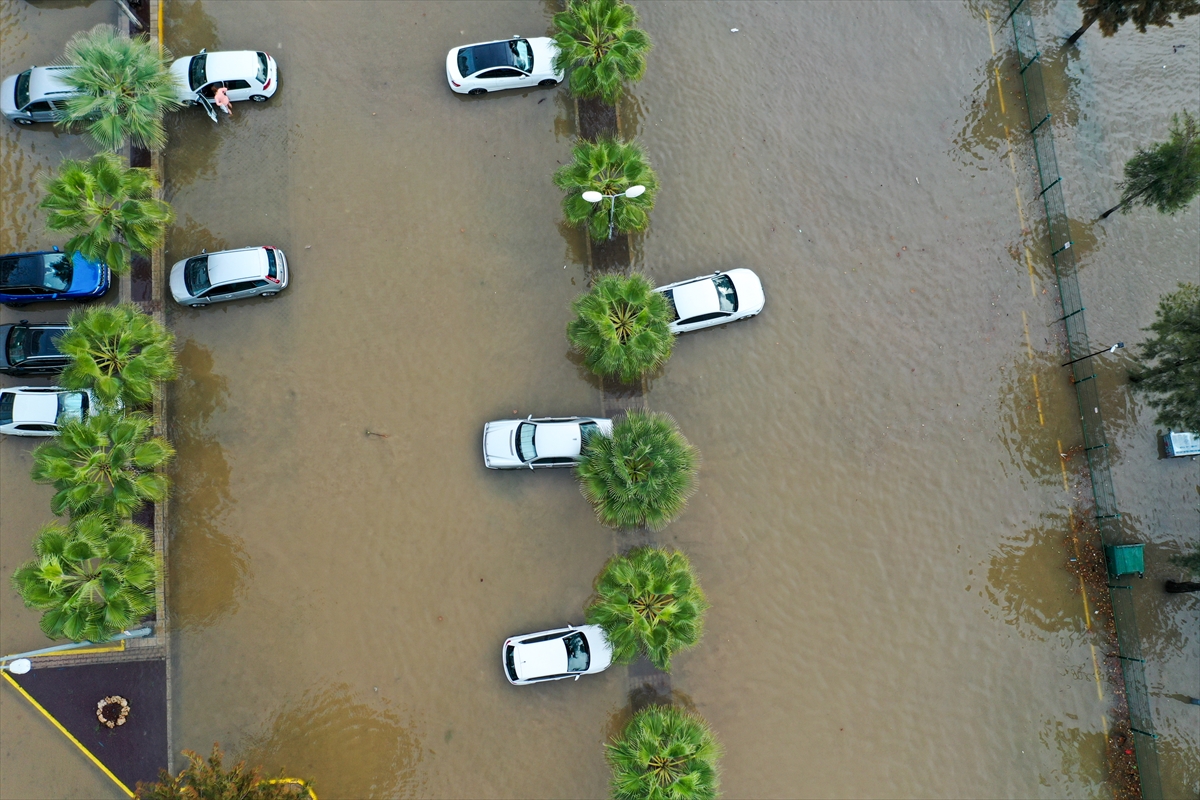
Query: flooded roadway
[[880, 519]]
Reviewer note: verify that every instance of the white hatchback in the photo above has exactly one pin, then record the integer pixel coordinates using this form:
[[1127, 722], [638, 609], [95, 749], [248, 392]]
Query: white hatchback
[[514, 63], [245, 75], [229, 275], [568, 652], [713, 299], [539, 443], [42, 410]]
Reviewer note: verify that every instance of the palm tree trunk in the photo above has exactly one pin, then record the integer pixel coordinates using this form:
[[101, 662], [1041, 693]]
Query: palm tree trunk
[[1180, 587], [1087, 23]]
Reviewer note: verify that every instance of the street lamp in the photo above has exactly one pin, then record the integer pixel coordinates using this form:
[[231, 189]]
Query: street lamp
[[1112, 349], [596, 197]]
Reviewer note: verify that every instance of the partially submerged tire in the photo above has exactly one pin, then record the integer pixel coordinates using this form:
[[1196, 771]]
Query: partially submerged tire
[[258, 98], [476, 92]]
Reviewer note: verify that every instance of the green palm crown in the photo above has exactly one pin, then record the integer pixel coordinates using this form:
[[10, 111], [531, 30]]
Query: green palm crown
[[111, 209], [598, 43], [608, 167], [119, 352], [125, 85], [621, 327], [105, 463], [648, 601], [664, 754], [93, 578], [642, 474], [211, 780]]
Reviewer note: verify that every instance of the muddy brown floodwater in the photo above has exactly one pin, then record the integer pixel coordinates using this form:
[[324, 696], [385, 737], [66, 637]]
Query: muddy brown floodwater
[[881, 516]]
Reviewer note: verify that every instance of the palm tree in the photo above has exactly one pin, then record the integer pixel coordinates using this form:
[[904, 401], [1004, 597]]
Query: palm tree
[[622, 327], [119, 352], [648, 601], [105, 463], [93, 578], [110, 208], [1112, 14], [208, 779], [598, 43], [664, 754], [1167, 175], [641, 475], [124, 86], [608, 167]]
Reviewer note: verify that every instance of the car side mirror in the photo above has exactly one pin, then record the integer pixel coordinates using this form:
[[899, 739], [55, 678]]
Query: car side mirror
[[56, 248], [577, 677], [203, 49], [203, 250]]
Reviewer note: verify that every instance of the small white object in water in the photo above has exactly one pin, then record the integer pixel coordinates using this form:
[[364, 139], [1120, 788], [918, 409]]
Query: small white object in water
[[733, 30], [918, 180]]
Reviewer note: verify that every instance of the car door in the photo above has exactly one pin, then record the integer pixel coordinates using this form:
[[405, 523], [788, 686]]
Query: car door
[[502, 78], [543, 463], [228, 291], [238, 90], [40, 111]]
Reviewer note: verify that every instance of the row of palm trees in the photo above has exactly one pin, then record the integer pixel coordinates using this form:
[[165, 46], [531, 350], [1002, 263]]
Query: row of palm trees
[[648, 601], [96, 575]]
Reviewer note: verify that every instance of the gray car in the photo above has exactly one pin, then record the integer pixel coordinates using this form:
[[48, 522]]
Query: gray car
[[27, 349], [38, 94], [229, 275]]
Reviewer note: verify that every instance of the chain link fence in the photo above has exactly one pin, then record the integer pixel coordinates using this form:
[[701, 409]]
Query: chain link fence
[[1095, 440]]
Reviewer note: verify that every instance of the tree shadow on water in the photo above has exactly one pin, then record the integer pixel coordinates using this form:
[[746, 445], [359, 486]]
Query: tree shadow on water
[[1028, 584], [188, 29]]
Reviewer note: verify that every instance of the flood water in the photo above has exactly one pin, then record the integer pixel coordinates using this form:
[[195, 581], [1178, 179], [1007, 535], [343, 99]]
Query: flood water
[[881, 516]]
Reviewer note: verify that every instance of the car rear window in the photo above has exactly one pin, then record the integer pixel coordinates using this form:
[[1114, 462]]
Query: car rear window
[[726, 293], [22, 89], [195, 275], [526, 434], [671, 304], [6, 408], [197, 73], [17, 336], [586, 431], [271, 270], [262, 68]]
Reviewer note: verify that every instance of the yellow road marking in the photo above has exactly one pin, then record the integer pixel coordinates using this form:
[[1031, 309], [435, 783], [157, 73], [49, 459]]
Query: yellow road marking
[[988, 15], [1062, 462], [1037, 394], [67, 733], [1029, 263], [86, 651]]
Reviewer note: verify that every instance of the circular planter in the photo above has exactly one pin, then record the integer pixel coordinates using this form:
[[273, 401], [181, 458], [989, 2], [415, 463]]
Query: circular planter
[[112, 711]]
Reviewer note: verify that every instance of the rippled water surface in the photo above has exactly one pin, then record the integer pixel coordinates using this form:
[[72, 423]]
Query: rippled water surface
[[881, 514]]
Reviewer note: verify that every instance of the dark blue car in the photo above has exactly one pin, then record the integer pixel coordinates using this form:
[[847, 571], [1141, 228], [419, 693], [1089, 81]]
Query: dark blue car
[[49, 275]]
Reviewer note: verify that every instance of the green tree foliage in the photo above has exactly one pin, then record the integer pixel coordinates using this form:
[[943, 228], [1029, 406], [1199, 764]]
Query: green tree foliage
[[104, 463], [110, 208], [649, 601], [608, 167], [1112, 14], [125, 85], [119, 352], [208, 779], [1167, 175], [664, 754], [622, 327], [92, 579], [1169, 368], [642, 474], [598, 42]]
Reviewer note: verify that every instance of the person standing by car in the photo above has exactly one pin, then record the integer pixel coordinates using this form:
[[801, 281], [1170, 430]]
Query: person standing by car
[[221, 101]]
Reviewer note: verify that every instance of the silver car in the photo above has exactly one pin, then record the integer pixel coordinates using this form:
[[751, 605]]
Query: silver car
[[36, 95], [539, 443], [229, 275], [42, 410]]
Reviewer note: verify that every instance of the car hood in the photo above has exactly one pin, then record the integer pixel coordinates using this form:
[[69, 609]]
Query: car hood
[[40, 408], [87, 276], [8, 100], [498, 442], [540, 659], [178, 287], [749, 290], [544, 51]]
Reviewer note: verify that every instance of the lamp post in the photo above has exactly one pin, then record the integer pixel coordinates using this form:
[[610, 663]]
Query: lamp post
[[596, 197], [1112, 349]]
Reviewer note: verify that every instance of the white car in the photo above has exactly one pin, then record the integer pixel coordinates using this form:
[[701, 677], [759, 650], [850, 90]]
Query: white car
[[245, 74], [514, 63], [42, 410], [229, 275], [713, 299], [38, 94], [538, 443], [568, 652]]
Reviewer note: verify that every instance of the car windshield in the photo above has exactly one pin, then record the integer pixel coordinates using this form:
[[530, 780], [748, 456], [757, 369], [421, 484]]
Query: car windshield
[[57, 273], [578, 655], [6, 408], [725, 293], [671, 304], [72, 406], [22, 92], [262, 68], [586, 431], [522, 54], [195, 275], [526, 434], [18, 335], [197, 75]]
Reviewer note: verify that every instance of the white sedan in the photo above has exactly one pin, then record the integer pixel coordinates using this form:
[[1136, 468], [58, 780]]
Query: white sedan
[[568, 652], [713, 299], [244, 74], [538, 443], [514, 63], [42, 410]]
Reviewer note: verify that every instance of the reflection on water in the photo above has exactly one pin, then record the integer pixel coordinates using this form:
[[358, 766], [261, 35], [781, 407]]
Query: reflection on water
[[358, 749]]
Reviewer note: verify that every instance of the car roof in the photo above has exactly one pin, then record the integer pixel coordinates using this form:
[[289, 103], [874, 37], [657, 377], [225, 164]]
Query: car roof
[[37, 407], [491, 54], [541, 658], [696, 298], [558, 439], [231, 65], [236, 265], [48, 82]]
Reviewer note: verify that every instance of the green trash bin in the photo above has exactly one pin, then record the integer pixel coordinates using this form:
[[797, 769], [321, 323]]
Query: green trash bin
[[1125, 559]]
